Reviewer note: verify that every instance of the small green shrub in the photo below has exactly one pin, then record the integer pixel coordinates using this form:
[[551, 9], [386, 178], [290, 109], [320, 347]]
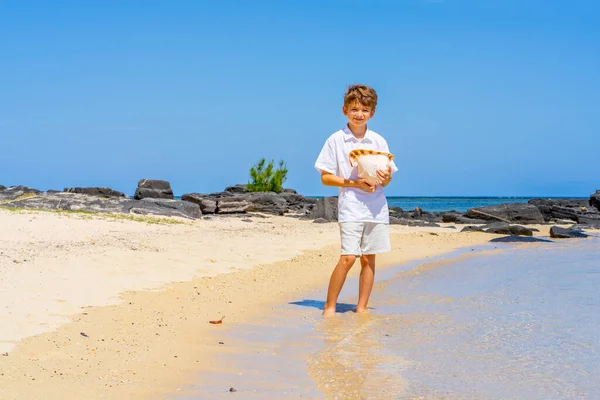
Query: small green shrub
[[265, 178]]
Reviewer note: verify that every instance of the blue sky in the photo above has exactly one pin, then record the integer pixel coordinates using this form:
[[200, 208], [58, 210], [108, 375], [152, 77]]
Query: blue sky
[[476, 97]]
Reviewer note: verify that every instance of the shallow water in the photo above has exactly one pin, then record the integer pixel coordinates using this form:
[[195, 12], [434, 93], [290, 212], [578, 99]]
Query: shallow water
[[513, 324], [518, 324]]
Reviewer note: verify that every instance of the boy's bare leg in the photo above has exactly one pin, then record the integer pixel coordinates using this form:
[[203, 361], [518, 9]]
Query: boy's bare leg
[[336, 282], [367, 277]]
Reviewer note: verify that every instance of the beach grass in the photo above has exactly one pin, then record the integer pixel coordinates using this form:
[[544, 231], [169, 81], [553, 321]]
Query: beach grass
[[21, 197]]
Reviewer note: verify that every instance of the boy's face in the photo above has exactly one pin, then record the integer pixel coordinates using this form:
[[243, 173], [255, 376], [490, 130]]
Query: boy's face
[[358, 114]]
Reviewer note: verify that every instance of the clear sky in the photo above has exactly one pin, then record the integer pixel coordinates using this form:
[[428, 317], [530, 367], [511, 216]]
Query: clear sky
[[498, 97]]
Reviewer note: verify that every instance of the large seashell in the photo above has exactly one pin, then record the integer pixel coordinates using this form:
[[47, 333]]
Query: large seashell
[[369, 161]]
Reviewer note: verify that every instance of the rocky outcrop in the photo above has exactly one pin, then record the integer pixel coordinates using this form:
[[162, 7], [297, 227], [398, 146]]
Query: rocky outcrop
[[595, 200], [458, 218], [173, 208], [231, 205], [14, 192], [297, 202], [2, 187], [566, 233], [522, 213], [326, 208], [268, 202], [416, 215], [589, 219], [504, 228], [95, 191], [412, 222], [235, 199], [84, 202], [153, 189], [207, 205], [556, 209]]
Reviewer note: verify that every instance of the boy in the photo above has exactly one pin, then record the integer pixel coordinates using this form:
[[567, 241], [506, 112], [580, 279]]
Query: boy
[[363, 213]]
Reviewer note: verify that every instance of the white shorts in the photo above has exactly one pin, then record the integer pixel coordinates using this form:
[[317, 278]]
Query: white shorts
[[360, 238]]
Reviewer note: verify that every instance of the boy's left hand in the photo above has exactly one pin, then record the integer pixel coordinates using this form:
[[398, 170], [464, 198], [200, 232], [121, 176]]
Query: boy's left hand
[[385, 175]]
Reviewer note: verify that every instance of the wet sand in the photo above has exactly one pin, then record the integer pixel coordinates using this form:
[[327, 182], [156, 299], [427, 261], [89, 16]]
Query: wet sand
[[105, 309]]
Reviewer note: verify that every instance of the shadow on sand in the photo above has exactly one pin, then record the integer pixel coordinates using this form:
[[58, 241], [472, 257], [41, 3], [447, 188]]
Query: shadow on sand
[[341, 307], [519, 239]]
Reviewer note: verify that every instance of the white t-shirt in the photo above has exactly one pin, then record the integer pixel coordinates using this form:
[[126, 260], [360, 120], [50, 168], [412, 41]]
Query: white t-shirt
[[354, 205]]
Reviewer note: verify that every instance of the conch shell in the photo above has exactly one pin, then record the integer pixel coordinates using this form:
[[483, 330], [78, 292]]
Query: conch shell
[[369, 161]]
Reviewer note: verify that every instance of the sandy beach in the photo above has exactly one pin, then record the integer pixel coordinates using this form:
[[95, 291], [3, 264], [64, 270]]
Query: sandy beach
[[112, 308]]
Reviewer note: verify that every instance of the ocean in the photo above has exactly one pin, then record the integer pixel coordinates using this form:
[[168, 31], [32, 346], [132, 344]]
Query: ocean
[[440, 204], [505, 321]]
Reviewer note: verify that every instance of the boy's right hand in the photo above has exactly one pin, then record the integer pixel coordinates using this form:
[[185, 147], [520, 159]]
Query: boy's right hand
[[362, 184]]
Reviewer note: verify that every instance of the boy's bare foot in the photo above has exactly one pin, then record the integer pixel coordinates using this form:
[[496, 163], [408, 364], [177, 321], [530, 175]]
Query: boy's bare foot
[[328, 312], [361, 310]]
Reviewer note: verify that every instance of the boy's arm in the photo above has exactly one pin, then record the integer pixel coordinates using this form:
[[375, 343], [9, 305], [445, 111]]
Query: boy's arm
[[330, 179]]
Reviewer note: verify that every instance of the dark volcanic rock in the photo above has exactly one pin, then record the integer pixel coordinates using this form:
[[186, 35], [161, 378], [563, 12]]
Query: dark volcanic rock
[[172, 208], [153, 189], [589, 219], [595, 200], [398, 221], [458, 218], [560, 208], [470, 221], [217, 195], [237, 189], [154, 184], [515, 212], [326, 208], [412, 222], [231, 205], [2, 187], [11, 193], [566, 233], [267, 202], [95, 191], [143, 193], [262, 202], [286, 190], [521, 230], [503, 228], [472, 228], [450, 216], [83, 202], [580, 227], [295, 200], [207, 205], [431, 216]]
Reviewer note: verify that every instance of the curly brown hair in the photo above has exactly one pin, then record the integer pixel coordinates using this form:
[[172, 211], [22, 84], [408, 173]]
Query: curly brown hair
[[365, 95]]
